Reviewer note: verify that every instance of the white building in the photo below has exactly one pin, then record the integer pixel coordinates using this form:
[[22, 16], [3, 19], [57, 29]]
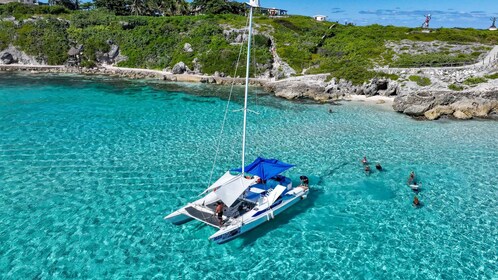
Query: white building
[[320, 18]]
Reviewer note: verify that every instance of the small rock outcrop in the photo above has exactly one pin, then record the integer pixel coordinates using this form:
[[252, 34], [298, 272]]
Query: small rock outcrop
[[180, 68], [113, 52], [14, 55], [73, 51], [461, 105], [7, 58], [197, 66], [111, 57], [187, 48], [317, 87], [438, 111]]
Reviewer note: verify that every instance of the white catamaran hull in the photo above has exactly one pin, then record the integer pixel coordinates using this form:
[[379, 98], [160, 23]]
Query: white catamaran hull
[[180, 216], [228, 233]]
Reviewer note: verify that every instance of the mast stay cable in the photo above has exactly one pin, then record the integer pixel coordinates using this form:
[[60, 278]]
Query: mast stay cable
[[225, 114]]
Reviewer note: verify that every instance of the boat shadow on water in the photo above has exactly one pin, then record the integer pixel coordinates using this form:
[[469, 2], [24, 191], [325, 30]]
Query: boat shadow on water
[[282, 219]]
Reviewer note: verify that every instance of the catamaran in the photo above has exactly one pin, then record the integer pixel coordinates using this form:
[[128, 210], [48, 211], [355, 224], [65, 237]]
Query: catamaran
[[249, 195]]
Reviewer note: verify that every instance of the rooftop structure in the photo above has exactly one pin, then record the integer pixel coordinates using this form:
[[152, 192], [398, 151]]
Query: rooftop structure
[[272, 12]]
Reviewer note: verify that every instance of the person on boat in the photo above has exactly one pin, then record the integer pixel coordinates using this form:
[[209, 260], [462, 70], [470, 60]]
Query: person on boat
[[219, 212], [364, 160], [411, 178], [367, 169], [304, 182], [416, 202], [378, 166]]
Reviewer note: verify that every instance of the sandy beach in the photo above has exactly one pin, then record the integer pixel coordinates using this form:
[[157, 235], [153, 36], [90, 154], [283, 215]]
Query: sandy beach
[[377, 99]]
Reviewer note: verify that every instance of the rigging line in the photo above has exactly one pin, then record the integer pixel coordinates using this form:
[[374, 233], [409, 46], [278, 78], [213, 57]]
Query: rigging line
[[255, 65], [226, 112], [256, 96]]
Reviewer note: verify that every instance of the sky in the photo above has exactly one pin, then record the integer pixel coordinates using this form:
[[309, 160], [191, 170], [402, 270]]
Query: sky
[[411, 13]]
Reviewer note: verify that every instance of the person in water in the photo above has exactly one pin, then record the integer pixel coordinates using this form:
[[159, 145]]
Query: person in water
[[364, 160], [378, 166], [415, 187], [411, 178], [219, 212], [304, 182], [367, 169], [416, 202]]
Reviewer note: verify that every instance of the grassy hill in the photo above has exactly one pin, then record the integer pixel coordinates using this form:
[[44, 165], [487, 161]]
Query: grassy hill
[[157, 42]]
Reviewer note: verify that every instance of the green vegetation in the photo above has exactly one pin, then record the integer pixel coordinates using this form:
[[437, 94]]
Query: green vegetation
[[169, 7], [455, 87], [21, 11], [157, 42], [45, 39], [492, 76], [435, 60], [393, 77], [474, 81], [421, 81]]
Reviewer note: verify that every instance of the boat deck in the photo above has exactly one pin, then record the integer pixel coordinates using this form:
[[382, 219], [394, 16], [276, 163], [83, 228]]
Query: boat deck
[[202, 216]]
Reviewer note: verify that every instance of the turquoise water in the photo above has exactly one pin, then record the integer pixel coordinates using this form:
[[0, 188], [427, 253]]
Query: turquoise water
[[90, 166]]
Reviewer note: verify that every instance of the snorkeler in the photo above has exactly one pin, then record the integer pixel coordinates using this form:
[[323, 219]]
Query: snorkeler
[[364, 160], [416, 202], [367, 170], [411, 178], [378, 166]]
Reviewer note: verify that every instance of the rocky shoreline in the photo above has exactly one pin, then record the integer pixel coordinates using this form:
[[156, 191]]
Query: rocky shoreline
[[429, 103]]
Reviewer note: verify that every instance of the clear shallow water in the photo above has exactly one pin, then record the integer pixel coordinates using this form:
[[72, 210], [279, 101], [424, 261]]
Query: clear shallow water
[[89, 167]]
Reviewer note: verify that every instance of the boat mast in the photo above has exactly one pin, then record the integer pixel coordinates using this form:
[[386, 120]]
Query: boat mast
[[252, 4]]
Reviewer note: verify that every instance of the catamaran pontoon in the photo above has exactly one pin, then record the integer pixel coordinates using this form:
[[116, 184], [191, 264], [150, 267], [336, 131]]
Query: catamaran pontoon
[[248, 200]]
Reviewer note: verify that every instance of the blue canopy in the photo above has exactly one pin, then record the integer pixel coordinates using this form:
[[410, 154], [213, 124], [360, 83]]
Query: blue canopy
[[265, 168]]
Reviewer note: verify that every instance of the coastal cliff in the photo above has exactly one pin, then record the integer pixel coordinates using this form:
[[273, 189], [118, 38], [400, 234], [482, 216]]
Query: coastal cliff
[[446, 72]]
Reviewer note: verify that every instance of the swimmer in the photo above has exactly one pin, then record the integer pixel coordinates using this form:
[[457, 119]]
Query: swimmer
[[378, 166], [416, 202], [367, 170], [364, 160], [411, 178]]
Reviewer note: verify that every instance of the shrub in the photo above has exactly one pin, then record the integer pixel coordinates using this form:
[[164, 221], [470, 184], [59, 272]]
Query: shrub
[[393, 77], [88, 64], [45, 39], [474, 81], [492, 76], [7, 33], [441, 59], [421, 81], [23, 11], [455, 87]]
